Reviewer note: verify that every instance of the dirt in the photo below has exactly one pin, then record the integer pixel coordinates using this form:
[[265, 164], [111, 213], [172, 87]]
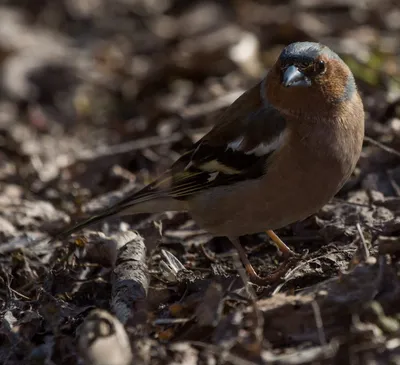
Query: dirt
[[98, 97]]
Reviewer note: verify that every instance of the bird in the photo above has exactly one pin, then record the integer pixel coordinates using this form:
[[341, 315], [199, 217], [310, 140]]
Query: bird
[[275, 156]]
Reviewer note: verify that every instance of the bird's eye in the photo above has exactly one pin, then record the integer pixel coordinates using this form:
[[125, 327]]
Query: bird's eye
[[319, 66]]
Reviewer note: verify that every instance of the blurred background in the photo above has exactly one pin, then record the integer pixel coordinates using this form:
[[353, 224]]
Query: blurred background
[[79, 75], [97, 97]]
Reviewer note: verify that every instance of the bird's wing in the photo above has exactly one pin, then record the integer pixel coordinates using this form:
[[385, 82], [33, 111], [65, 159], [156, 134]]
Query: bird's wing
[[238, 148]]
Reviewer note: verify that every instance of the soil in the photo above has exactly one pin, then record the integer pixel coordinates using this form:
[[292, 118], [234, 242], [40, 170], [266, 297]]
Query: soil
[[98, 98]]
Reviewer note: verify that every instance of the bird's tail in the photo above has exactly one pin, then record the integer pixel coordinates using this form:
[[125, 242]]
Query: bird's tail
[[131, 204], [86, 223], [145, 201]]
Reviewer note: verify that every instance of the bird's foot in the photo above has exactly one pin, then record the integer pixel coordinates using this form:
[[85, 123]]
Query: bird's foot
[[276, 275]]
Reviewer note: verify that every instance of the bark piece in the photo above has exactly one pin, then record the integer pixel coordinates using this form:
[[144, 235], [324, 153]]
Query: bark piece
[[130, 279]]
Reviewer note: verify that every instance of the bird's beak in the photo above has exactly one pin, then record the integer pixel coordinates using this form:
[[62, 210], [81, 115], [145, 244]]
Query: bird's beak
[[294, 77]]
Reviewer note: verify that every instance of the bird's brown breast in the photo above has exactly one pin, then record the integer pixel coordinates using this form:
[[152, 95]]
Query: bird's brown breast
[[301, 177]]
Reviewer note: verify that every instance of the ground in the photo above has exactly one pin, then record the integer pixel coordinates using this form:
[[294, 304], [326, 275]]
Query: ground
[[99, 97]]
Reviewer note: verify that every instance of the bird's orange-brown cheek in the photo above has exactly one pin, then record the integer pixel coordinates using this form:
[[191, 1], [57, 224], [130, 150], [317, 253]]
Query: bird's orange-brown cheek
[[330, 87], [319, 80]]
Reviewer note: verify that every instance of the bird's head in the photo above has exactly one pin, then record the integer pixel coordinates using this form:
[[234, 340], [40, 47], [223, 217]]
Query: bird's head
[[308, 78]]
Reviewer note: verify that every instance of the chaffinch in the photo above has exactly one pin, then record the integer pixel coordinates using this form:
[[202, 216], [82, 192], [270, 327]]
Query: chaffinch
[[279, 153]]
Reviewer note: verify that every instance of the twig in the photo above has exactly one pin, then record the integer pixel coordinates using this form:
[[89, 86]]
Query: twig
[[291, 272], [382, 146], [20, 294], [219, 351], [170, 321], [243, 275], [199, 110], [259, 319], [130, 146], [319, 323], [130, 281], [363, 248], [311, 355], [362, 253], [393, 182]]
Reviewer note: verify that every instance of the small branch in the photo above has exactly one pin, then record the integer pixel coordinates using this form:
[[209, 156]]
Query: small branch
[[362, 253], [363, 247], [130, 280], [128, 146], [201, 109], [382, 146], [319, 323]]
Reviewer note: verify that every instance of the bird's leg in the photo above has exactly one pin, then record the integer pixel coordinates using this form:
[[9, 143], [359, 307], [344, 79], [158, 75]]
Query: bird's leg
[[254, 277], [286, 251]]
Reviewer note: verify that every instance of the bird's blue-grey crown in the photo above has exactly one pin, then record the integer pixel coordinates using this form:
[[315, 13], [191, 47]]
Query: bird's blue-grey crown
[[305, 52]]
